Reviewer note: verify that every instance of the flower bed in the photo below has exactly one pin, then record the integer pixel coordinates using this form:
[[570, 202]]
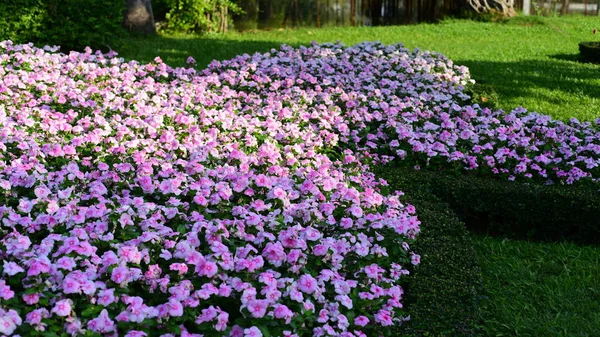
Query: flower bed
[[138, 199], [409, 107]]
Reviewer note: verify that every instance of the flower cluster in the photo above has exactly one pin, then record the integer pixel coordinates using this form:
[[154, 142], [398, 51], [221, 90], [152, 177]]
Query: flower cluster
[[144, 200], [410, 107]]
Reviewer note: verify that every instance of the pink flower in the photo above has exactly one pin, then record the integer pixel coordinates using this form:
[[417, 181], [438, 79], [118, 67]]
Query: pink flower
[[5, 292], [415, 259], [175, 308], [373, 271], [252, 332], [38, 266], [222, 321], [7, 325], [71, 286], [208, 269], [283, 312], [106, 297], [31, 299], [257, 308], [383, 317], [102, 323], [41, 192], [62, 308], [207, 315], [181, 268], [35, 317], [361, 321], [120, 274], [307, 284], [11, 268]]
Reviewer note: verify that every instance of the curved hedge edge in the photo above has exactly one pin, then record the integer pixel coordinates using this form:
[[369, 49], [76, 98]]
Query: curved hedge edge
[[519, 210], [442, 293]]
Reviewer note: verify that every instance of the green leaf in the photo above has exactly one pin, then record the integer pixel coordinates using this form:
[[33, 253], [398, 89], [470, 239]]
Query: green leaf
[[265, 331]]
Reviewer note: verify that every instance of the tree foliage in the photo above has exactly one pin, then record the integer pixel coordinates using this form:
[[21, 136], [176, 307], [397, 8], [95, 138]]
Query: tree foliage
[[198, 16]]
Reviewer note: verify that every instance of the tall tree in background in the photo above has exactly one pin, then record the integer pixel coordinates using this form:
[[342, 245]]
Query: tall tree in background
[[376, 12], [248, 17], [139, 17]]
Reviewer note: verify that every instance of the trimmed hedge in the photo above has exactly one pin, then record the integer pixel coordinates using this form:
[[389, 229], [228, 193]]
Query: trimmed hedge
[[72, 24], [520, 210], [590, 51], [442, 293]]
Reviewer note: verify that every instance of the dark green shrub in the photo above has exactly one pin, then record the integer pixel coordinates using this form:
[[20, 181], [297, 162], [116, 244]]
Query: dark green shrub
[[198, 16], [442, 293], [72, 24], [520, 210], [524, 211]]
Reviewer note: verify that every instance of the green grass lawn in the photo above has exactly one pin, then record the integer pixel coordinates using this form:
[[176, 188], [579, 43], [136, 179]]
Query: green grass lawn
[[529, 62], [533, 289], [539, 289]]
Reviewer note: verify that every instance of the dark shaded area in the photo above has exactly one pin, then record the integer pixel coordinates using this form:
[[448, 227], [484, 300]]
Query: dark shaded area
[[268, 14], [567, 57], [443, 293], [590, 51], [72, 24]]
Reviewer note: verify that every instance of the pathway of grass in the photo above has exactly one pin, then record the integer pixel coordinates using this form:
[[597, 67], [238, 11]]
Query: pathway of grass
[[539, 289], [527, 61]]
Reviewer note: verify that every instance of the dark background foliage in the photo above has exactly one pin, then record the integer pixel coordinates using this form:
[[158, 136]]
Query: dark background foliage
[[72, 24]]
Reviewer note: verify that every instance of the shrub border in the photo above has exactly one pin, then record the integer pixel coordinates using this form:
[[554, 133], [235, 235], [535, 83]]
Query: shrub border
[[442, 293], [519, 210]]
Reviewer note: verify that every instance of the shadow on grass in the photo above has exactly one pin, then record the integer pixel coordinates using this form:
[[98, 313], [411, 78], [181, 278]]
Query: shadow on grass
[[568, 57], [175, 50]]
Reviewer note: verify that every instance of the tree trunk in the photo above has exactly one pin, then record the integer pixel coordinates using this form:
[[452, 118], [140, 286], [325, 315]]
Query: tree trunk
[[139, 17], [318, 14], [352, 13]]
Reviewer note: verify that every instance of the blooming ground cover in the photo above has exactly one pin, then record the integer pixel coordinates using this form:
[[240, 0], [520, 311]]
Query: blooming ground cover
[[138, 199], [144, 200], [411, 108]]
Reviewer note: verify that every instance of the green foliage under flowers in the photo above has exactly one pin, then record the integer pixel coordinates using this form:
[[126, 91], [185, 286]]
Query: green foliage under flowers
[[198, 16], [443, 291], [72, 24]]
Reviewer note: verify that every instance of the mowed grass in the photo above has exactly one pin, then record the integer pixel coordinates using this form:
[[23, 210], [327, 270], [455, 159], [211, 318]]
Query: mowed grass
[[539, 289], [530, 62], [533, 289]]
